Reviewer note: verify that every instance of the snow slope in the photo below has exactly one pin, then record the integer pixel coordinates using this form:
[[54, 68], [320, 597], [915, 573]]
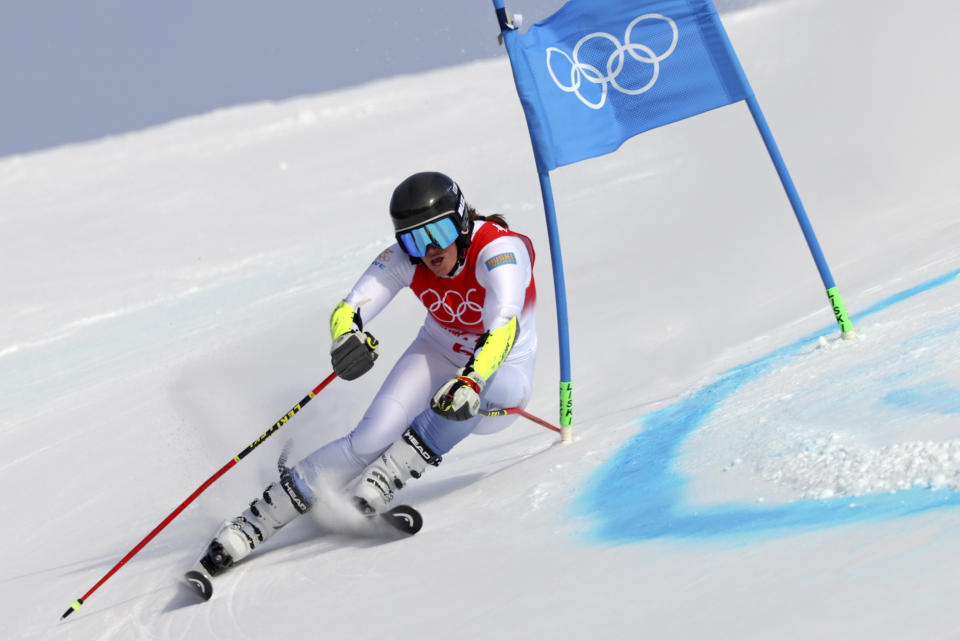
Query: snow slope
[[737, 472]]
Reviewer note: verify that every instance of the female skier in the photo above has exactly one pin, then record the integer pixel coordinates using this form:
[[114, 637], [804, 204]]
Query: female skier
[[475, 350]]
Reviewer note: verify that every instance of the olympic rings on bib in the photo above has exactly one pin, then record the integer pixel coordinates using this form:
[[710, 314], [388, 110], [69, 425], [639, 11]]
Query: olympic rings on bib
[[453, 307]]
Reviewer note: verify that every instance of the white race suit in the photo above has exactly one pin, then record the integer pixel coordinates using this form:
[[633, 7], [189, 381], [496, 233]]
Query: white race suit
[[493, 285]]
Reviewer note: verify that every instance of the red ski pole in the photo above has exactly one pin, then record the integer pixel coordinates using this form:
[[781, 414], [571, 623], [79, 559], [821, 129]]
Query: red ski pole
[[525, 414], [223, 470]]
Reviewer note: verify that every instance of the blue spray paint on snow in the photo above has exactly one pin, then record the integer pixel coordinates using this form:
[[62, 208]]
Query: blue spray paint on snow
[[937, 397], [640, 496]]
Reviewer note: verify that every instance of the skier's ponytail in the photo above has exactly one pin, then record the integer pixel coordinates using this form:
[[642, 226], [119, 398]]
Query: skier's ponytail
[[493, 218]]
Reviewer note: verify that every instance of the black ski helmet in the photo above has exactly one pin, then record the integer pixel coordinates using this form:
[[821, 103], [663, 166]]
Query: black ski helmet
[[428, 196]]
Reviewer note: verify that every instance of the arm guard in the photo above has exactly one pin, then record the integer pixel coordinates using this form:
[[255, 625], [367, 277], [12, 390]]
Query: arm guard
[[343, 319], [492, 349]]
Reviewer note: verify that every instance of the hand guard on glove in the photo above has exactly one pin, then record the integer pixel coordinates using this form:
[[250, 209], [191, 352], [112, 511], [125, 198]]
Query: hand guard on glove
[[354, 350], [459, 398], [353, 354]]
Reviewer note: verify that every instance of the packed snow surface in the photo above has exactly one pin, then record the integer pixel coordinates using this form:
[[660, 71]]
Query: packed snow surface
[[737, 470]]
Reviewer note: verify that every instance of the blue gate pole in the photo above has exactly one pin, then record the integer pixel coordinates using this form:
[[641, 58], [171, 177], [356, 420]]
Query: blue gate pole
[[560, 290], [556, 257], [833, 293]]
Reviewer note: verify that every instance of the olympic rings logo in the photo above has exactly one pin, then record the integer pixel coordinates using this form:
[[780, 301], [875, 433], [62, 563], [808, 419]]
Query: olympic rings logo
[[452, 307], [580, 71]]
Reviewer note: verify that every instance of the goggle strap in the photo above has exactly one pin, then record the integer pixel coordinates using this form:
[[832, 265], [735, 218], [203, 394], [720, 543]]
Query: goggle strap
[[427, 222]]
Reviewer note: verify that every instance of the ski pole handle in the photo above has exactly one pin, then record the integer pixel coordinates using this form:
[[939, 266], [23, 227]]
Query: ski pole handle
[[223, 470]]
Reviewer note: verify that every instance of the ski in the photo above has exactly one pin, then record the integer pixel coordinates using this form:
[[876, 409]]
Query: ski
[[200, 577], [201, 583], [403, 520]]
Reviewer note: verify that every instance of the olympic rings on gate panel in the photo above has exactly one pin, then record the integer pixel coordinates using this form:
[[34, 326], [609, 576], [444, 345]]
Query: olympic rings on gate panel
[[580, 71]]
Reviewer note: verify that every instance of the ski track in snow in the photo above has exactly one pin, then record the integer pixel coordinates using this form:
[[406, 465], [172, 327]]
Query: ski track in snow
[[799, 429]]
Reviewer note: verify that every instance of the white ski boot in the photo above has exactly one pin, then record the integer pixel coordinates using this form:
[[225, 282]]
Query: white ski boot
[[405, 459], [279, 504]]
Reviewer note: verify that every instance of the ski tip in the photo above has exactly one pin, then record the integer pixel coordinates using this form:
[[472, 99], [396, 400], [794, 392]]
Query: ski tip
[[405, 519], [201, 584]]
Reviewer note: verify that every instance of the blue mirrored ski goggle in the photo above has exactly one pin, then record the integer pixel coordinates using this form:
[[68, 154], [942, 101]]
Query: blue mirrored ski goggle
[[442, 233]]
